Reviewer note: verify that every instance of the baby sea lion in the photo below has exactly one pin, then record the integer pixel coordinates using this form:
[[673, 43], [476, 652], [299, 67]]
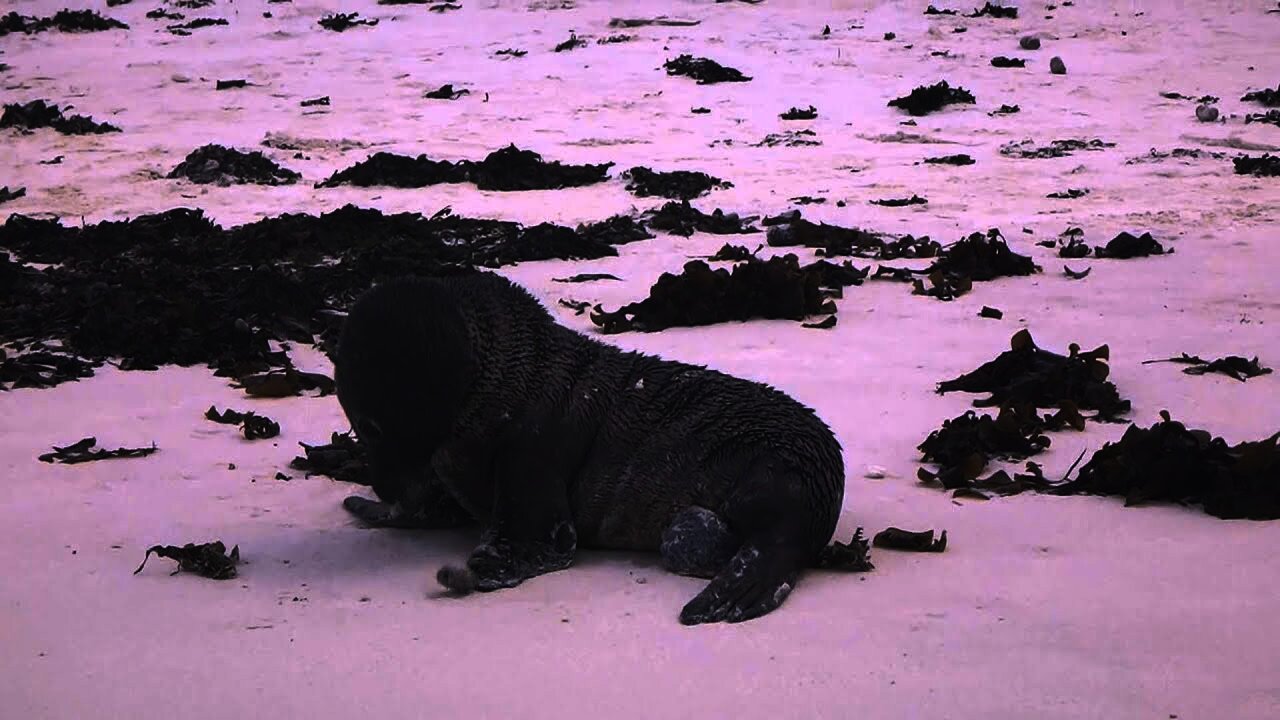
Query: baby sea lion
[[476, 406]]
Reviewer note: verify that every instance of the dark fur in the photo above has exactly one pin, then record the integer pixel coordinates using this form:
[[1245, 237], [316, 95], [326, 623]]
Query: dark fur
[[476, 405]]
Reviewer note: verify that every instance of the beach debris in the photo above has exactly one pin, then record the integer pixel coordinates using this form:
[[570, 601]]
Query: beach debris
[[1271, 117], [900, 202], [1055, 149], [732, 253], [512, 52], [6, 194], [675, 185], [1068, 194], [579, 307], [1170, 462], [38, 368], [342, 458], [680, 218], [1266, 96], [1076, 274], [338, 22], [1005, 110], [252, 425], [39, 114], [400, 171], [931, 10], [853, 556], [978, 257], [70, 21], [1233, 366], [661, 20], [186, 27], [445, 92], [215, 164], [1154, 155], [572, 43], [989, 312], [586, 277], [996, 11], [1029, 42], [1126, 245], [230, 84], [834, 241], [1000, 61], [285, 382], [957, 160], [704, 70], [314, 102], [893, 538], [85, 450], [965, 444], [506, 169], [1206, 113], [616, 230], [926, 99], [790, 138], [1264, 166], [209, 560], [794, 113]]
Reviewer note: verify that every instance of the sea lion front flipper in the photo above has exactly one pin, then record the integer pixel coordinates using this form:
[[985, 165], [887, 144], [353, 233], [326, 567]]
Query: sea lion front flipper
[[754, 583], [420, 509]]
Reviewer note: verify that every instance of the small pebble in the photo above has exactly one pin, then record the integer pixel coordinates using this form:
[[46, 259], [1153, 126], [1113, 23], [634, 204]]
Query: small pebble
[[1206, 113], [874, 472], [180, 78], [1057, 67], [1029, 43]]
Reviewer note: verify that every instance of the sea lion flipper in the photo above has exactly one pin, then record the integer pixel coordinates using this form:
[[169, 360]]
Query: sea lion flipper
[[505, 563], [754, 583], [440, 515]]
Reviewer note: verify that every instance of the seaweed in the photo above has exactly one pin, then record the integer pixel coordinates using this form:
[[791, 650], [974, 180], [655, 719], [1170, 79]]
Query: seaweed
[[964, 445], [162, 14], [1265, 166], [926, 99], [512, 52], [958, 160], [680, 218], [732, 253], [931, 10], [977, 257], [252, 425], [853, 556], [6, 194], [800, 114], [399, 171], [338, 22], [215, 164], [790, 138], [71, 21], [1005, 110], [313, 102], [674, 185], [777, 288], [898, 539], [208, 560], [704, 70], [901, 202], [1026, 375], [661, 20], [1076, 274], [989, 312], [40, 368], [829, 240], [995, 11], [1170, 462], [1068, 194], [616, 230], [507, 169], [579, 307], [586, 277], [572, 43], [1055, 148], [1000, 61], [38, 114], [446, 92], [83, 451], [1126, 245], [1271, 117], [196, 24], [342, 458], [1154, 155], [1266, 96], [1233, 366], [230, 84]]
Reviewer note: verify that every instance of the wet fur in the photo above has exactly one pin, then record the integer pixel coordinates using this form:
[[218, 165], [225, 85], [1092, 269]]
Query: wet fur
[[476, 406]]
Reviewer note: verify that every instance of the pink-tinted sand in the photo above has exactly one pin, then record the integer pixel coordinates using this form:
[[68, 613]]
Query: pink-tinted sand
[[1041, 607]]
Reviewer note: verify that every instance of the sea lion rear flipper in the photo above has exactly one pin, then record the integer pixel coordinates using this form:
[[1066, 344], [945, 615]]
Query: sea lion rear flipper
[[754, 583]]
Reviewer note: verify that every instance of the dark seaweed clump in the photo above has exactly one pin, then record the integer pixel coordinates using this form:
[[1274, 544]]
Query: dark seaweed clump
[[926, 99], [1266, 96], [572, 43], [901, 202], [681, 218], [38, 114], [704, 70], [215, 164], [777, 288], [342, 458], [175, 288], [965, 444], [675, 185], [1233, 366], [1127, 245], [995, 11], [898, 539], [208, 560], [1271, 117], [1264, 166], [1000, 61], [446, 92], [976, 258], [187, 27], [85, 450], [1169, 462], [1055, 148], [809, 113], [508, 169], [6, 194], [339, 22], [252, 425], [931, 10], [835, 241], [72, 21], [957, 160], [853, 556]]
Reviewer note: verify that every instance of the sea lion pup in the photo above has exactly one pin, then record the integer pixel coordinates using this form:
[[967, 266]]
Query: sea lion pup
[[475, 405]]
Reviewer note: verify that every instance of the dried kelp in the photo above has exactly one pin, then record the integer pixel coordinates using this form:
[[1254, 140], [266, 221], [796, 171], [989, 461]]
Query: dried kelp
[[1076, 274], [6, 194], [1233, 366], [339, 22], [586, 277], [215, 164], [1026, 375], [1271, 117], [616, 230], [964, 445], [661, 20], [1000, 61], [1169, 462], [1068, 194], [1154, 155], [800, 114], [931, 10], [958, 160], [72, 21], [512, 52], [1005, 110], [977, 257], [901, 202], [342, 458], [508, 169], [777, 288], [446, 92], [1264, 166], [195, 25], [314, 102], [675, 185], [252, 425], [790, 138], [732, 253], [833, 240], [572, 43], [38, 114], [995, 11], [83, 451], [400, 171], [1055, 148], [1266, 96], [704, 70], [39, 368], [853, 556], [208, 560], [898, 539], [233, 84], [1126, 245], [926, 99], [680, 218]]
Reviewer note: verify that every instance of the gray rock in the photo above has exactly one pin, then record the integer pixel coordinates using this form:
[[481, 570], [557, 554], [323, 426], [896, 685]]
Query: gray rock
[[1206, 113], [1057, 67], [1030, 42]]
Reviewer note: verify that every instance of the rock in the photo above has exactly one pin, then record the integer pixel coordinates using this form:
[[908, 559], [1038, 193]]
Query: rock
[[1057, 67], [889, 36], [1206, 113], [1030, 42]]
